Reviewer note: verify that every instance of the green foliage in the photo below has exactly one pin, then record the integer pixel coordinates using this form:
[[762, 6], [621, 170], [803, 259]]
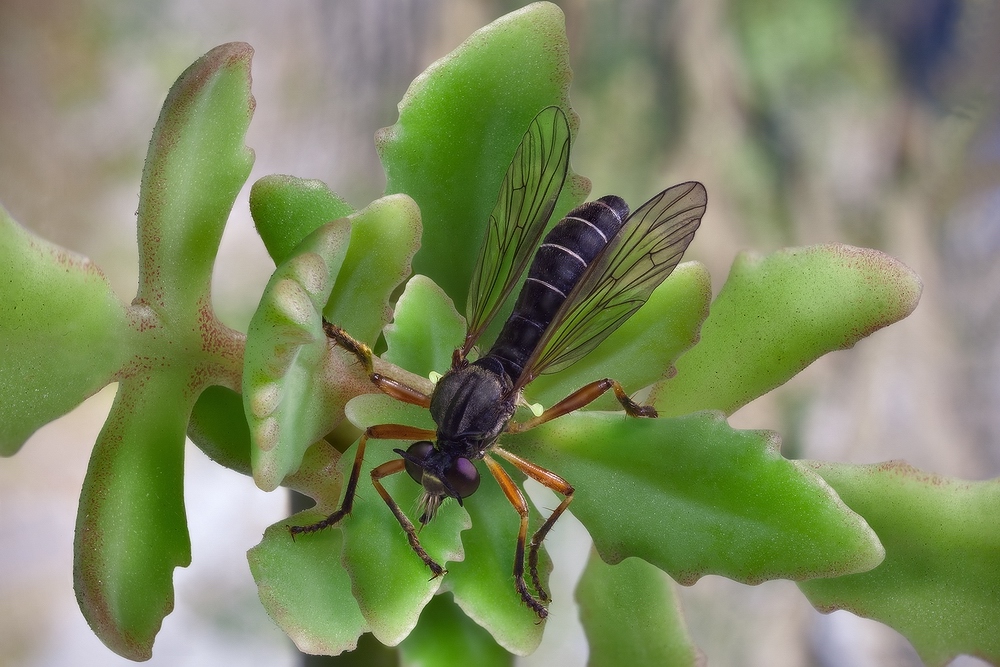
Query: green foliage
[[685, 494], [461, 122], [425, 328], [61, 336], [72, 337], [775, 315], [631, 615], [446, 637], [311, 595], [728, 500], [287, 209], [939, 582], [290, 402], [131, 528]]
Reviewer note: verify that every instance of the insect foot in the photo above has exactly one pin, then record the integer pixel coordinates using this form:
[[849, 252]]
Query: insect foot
[[530, 600], [319, 525], [436, 570]]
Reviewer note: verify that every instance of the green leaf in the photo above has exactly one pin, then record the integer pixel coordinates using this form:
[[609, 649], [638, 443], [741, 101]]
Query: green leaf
[[459, 125], [390, 582], [131, 530], [196, 165], [62, 332], [692, 496], [425, 329], [392, 585], [305, 588], [302, 583], [777, 314], [632, 616], [294, 387], [288, 401], [287, 209], [445, 637], [219, 428], [384, 237], [482, 583], [940, 582], [643, 349], [318, 477]]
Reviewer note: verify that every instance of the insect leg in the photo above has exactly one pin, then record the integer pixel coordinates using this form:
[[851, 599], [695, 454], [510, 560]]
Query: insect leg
[[391, 468], [347, 503], [398, 390], [557, 484], [516, 499], [581, 397], [381, 432]]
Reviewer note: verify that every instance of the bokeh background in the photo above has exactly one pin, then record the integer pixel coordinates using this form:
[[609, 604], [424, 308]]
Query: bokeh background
[[870, 122]]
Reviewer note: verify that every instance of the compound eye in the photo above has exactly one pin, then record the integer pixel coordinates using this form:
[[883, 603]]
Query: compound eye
[[463, 477], [418, 452]]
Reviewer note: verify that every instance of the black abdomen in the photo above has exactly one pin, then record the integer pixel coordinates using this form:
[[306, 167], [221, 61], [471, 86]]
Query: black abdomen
[[565, 253]]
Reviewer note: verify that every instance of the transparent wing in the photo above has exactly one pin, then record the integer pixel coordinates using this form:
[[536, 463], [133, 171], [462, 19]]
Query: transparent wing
[[621, 278], [527, 196]]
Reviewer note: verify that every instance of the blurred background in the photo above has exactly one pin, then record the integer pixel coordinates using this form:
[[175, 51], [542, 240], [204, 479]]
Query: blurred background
[[873, 123]]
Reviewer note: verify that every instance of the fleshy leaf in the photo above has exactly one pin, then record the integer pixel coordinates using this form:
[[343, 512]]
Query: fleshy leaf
[[727, 501], [445, 637], [131, 529], [384, 237], [319, 477], [392, 585], [286, 209], [940, 582], [777, 314], [390, 582], [377, 408], [482, 583], [295, 387], [459, 125], [643, 349], [289, 401], [62, 332], [196, 165], [218, 426], [305, 589], [302, 583], [425, 329], [632, 616]]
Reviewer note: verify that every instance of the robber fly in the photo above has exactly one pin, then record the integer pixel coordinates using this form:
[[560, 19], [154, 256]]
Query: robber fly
[[593, 270]]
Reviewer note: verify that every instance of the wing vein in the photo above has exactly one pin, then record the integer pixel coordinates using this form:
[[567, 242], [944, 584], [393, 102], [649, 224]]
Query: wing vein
[[620, 279]]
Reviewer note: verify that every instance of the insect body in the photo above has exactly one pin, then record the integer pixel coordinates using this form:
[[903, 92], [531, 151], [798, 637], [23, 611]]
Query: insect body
[[593, 270]]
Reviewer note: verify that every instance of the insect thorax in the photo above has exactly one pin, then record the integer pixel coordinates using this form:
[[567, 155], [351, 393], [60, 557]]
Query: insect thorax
[[471, 407]]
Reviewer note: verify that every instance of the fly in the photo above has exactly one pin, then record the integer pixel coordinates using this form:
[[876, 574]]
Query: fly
[[590, 273]]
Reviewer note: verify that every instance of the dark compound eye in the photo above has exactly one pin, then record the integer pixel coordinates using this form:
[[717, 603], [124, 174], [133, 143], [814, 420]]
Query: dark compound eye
[[418, 452], [463, 477]]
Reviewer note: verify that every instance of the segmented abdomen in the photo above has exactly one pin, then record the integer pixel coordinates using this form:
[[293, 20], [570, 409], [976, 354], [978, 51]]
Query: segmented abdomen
[[565, 253]]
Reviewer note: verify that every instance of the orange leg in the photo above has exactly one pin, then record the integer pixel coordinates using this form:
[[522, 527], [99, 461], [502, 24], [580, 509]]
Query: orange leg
[[516, 499], [557, 484], [391, 468], [581, 397], [381, 432], [395, 388]]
